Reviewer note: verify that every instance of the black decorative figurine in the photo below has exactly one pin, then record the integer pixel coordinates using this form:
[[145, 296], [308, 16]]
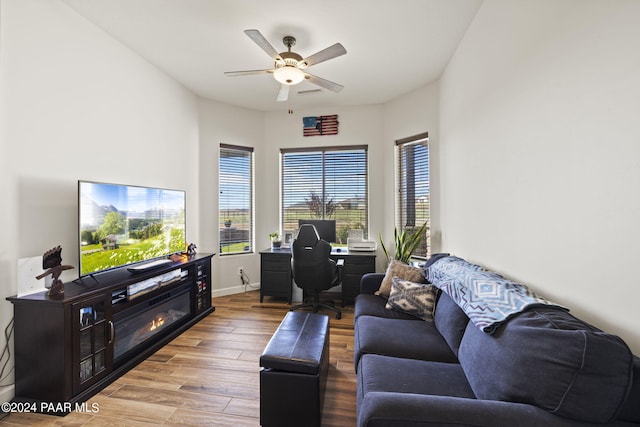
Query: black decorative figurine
[[191, 249], [52, 263]]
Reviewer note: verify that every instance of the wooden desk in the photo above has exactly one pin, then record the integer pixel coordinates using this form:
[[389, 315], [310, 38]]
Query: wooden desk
[[276, 278]]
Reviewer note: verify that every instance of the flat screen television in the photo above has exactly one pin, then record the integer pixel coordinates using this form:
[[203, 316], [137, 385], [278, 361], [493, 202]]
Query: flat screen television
[[120, 225], [326, 228]]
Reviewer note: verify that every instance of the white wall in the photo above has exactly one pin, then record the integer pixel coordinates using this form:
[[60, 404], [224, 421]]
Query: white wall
[[540, 153], [78, 105], [407, 116], [361, 125], [268, 133], [220, 123], [377, 126]]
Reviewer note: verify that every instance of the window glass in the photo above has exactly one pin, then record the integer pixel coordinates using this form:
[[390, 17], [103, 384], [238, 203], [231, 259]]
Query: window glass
[[414, 201], [325, 183], [235, 216]]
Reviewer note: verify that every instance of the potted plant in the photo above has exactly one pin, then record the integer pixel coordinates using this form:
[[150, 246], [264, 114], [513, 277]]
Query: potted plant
[[276, 242], [405, 243]]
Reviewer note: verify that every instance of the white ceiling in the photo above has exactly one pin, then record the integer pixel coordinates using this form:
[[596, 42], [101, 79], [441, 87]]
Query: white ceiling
[[393, 46]]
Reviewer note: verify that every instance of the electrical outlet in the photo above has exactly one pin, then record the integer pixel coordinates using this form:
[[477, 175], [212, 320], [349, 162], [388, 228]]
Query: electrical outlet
[[240, 271]]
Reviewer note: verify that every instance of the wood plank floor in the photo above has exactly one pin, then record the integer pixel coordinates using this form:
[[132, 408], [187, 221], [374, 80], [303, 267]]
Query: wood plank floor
[[209, 375]]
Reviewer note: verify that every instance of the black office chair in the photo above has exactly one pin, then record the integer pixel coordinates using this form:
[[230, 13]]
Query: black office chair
[[313, 270]]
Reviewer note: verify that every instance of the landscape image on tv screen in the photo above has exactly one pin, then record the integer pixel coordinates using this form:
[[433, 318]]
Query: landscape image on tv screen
[[123, 224]]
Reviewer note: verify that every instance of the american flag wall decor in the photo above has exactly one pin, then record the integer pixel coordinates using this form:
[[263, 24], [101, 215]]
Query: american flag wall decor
[[320, 125]]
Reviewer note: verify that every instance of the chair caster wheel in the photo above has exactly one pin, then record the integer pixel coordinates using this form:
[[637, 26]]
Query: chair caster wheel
[[338, 316]]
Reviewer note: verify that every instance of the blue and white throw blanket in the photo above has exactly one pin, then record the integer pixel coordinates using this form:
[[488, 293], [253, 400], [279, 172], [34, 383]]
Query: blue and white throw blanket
[[487, 298]]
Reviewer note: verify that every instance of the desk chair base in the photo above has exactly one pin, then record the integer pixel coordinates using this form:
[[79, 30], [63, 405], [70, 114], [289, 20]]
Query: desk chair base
[[315, 305]]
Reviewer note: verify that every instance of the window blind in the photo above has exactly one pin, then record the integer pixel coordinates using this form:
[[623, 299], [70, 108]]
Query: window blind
[[325, 183], [413, 197], [235, 199]]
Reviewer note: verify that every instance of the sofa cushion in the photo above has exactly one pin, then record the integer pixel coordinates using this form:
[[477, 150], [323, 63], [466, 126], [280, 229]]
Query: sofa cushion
[[398, 269], [391, 374], [417, 299], [400, 338], [373, 305], [433, 258], [370, 283], [450, 321], [548, 358]]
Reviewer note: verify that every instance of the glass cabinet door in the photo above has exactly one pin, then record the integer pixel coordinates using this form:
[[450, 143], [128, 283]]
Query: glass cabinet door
[[93, 346]]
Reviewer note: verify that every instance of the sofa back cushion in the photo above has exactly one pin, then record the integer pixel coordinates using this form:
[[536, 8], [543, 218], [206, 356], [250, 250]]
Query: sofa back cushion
[[450, 321], [548, 358]]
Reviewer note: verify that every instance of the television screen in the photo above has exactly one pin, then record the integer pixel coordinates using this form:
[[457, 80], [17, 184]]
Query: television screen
[[326, 228], [124, 224]]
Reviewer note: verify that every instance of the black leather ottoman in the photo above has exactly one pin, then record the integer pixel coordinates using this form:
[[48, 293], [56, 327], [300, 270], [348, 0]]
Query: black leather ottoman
[[294, 368]]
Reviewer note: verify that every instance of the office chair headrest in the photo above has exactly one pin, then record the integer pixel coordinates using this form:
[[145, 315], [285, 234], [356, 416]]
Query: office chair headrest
[[308, 235]]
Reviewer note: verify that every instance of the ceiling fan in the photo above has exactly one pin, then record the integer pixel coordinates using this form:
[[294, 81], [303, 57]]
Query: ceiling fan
[[289, 68]]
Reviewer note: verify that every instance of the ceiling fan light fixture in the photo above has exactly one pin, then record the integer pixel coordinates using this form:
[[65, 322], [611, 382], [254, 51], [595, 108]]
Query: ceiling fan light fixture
[[288, 75]]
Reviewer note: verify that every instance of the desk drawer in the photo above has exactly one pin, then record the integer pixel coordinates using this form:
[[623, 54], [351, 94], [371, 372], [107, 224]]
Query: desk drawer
[[355, 266], [275, 275], [276, 263], [359, 264]]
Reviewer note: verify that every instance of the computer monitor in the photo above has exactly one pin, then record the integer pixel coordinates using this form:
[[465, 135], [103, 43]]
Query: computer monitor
[[326, 228]]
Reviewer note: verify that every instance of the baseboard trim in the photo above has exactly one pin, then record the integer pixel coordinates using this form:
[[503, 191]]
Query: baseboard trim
[[231, 290]]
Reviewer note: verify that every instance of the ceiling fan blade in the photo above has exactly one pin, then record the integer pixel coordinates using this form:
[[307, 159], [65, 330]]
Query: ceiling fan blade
[[247, 72], [324, 55], [283, 93], [329, 85], [264, 44]]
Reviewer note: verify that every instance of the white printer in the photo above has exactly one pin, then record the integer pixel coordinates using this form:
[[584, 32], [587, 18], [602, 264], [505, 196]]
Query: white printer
[[357, 243]]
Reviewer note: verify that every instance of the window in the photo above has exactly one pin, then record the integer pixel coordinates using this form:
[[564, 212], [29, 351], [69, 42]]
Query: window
[[235, 214], [325, 183], [413, 203]]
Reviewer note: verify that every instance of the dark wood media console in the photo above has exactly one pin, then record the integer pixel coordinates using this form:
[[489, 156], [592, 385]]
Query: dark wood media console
[[70, 347]]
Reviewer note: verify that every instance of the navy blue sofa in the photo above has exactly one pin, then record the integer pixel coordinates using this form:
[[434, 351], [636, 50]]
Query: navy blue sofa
[[542, 367]]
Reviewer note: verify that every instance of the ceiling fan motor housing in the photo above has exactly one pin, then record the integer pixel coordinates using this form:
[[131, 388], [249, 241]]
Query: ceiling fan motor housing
[[291, 59], [289, 66]]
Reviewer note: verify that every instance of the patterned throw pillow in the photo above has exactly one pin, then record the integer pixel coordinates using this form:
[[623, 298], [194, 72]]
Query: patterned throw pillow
[[398, 269], [417, 299]]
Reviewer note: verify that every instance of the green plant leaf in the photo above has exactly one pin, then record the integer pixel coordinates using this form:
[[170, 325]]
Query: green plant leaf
[[405, 243], [384, 248]]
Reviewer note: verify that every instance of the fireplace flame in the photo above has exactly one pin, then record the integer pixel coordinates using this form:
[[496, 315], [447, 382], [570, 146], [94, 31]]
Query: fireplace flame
[[156, 323]]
